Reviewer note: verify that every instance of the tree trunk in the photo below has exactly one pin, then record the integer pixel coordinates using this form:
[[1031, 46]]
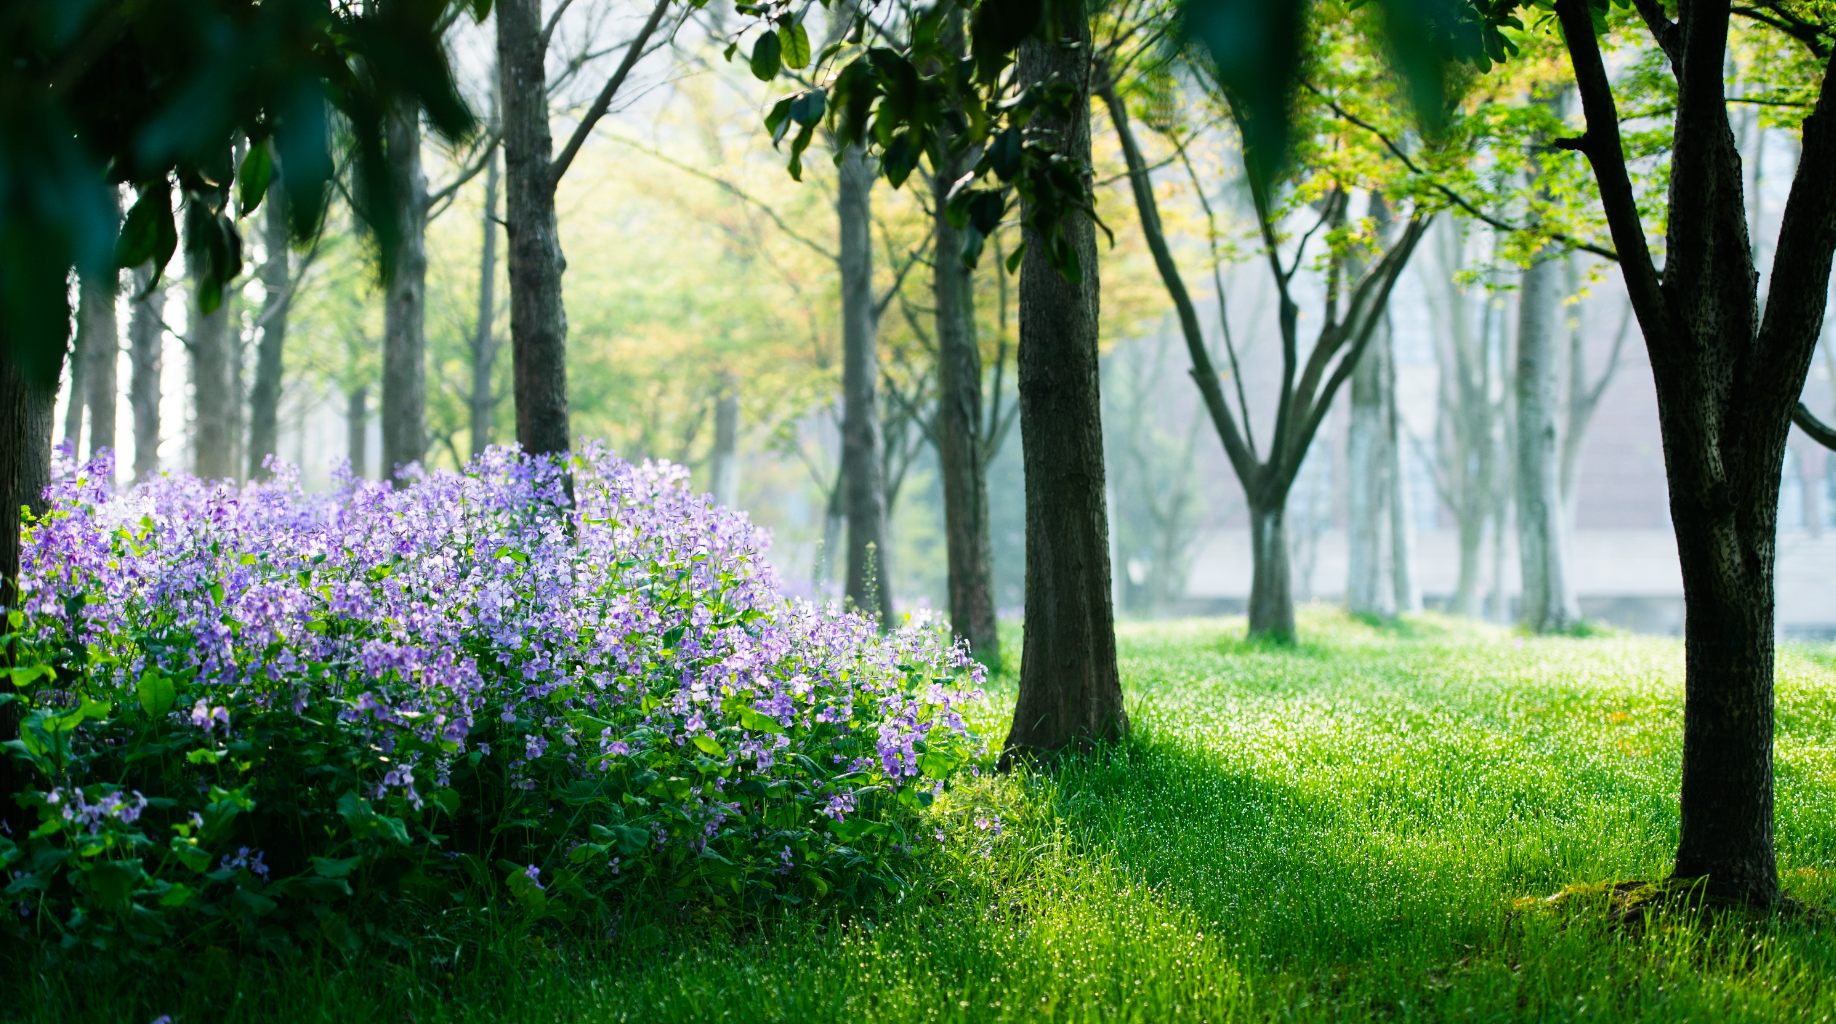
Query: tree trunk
[[484, 343], [868, 588], [404, 383], [1405, 591], [1549, 604], [1271, 603], [1070, 689], [725, 469], [210, 383], [968, 546], [357, 430], [1367, 487], [538, 322], [26, 414], [146, 337], [101, 350], [264, 398], [78, 396]]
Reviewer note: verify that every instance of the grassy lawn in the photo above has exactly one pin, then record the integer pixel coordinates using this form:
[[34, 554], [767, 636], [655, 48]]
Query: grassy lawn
[[1362, 827]]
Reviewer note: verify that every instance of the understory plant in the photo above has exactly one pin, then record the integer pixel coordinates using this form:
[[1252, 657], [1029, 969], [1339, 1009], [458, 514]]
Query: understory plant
[[564, 687]]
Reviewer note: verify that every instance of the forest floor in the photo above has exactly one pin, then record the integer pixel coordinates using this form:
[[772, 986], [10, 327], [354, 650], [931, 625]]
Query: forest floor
[[1365, 826]]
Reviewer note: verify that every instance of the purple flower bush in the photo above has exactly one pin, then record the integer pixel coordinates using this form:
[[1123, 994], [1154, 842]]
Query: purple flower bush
[[575, 684]]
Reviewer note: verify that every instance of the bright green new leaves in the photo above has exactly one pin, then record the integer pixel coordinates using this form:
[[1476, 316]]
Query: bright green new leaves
[[794, 43], [156, 692], [767, 57]]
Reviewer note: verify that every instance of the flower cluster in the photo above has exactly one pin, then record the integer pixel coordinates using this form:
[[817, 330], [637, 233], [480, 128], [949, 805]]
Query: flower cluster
[[577, 671]]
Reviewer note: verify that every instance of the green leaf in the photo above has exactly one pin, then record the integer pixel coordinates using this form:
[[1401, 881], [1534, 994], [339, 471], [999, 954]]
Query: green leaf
[[757, 722], [808, 108], [203, 756], [25, 676], [253, 176], [777, 121], [710, 746], [317, 889], [177, 896], [189, 854], [766, 57], [1013, 258], [113, 880], [156, 693], [794, 41], [325, 867], [139, 238], [481, 9]]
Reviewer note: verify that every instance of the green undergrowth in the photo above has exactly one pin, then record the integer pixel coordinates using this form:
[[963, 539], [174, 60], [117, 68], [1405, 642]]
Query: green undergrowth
[[1366, 825]]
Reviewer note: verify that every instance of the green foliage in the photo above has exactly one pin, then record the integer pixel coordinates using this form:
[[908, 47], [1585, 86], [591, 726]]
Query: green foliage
[[1364, 827]]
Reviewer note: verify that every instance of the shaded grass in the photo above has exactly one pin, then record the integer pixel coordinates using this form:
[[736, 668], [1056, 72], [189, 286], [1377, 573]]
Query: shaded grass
[[1361, 826]]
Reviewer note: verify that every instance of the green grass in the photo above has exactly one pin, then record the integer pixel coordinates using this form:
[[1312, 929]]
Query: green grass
[[1360, 827]]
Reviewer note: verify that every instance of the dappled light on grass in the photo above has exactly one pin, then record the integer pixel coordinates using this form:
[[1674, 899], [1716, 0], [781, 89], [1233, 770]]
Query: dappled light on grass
[[1365, 826]]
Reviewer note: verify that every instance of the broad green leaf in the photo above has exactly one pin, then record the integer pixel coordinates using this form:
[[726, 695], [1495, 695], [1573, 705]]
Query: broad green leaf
[[325, 867], [710, 746], [156, 692], [253, 176], [766, 57], [795, 44], [757, 722], [113, 880]]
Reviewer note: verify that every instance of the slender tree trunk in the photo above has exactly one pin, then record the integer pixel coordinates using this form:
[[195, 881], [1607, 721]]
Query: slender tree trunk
[[404, 383], [1406, 592], [264, 398], [357, 431], [1271, 605], [146, 337], [26, 414], [1549, 604], [1367, 487], [79, 388], [101, 350], [484, 343], [210, 383], [538, 321], [726, 444], [868, 588], [1070, 689], [959, 416]]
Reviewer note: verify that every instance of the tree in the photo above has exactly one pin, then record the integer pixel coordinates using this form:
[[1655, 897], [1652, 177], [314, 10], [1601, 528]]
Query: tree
[[538, 320], [146, 335], [1307, 391], [1549, 604], [277, 284]]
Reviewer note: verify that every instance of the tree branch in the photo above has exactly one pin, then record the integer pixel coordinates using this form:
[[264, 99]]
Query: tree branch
[[604, 102], [733, 190]]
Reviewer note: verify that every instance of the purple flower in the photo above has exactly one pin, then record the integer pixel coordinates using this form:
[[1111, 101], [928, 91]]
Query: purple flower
[[534, 874]]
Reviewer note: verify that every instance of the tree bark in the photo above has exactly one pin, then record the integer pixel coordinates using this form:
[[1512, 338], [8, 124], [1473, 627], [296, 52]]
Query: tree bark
[[26, 415], [78, 396], [264, 398], [101, 349], [1070, 689], [868, 589], [1406, 592], [1271, 608], [484, 342], [538, 321], [404, 383], [1549, 604], [967, 542], [725, 468], [1367, 488], [210, 383], [146, 338], [357, 430]]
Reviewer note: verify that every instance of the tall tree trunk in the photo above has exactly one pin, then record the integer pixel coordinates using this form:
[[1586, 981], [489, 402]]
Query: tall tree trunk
[[484, 342], [1406, 592], [78, 398], [264, 398], [725, 469], [538, 321], [26, 414], [210, 383], [1271, 604], [967, 542], [146, 337], [1367, 487], [1549, 604], [404, 383], [357, 431], [1070, 689], [101, 350], [868, 588]]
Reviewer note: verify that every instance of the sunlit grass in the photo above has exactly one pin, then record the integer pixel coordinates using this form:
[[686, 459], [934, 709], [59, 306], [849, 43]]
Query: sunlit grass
[[1359, 827]]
